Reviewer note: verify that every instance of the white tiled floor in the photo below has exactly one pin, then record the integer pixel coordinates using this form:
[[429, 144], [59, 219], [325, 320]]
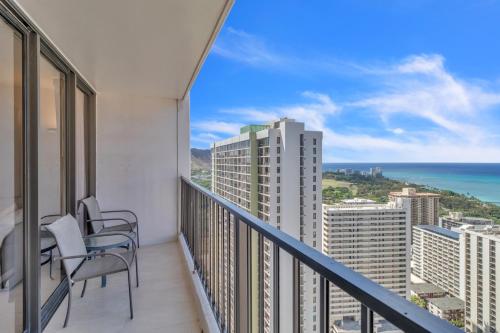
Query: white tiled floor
[[164, 301]]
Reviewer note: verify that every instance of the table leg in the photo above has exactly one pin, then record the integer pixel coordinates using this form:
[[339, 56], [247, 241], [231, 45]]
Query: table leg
[[103, 278]]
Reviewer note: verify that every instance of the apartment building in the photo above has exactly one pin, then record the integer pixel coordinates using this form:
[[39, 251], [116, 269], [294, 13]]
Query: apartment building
[[481, 247], [372, 239], [457, 219], [424, 207], [447, 308], [437, 256], [274, 172]]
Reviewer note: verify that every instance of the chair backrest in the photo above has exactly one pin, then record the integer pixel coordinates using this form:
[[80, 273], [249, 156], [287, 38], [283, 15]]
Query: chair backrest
[[94, 213], [69, 241]]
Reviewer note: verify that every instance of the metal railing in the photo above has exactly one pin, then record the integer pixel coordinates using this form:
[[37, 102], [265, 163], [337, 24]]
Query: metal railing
[[229, 247]]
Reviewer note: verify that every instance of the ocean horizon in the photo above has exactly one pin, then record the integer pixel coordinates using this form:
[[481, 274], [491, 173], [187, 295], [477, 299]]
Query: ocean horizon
[[481, 180]]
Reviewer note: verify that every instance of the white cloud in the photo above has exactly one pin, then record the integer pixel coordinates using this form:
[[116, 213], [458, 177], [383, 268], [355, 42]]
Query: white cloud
[[421, 86], [244, 47], [397, 131], [417, 87], [216, 126]]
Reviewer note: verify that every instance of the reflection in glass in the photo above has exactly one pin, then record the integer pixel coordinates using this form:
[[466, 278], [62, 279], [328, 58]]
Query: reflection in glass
[[11, 181], [80, 158], [50, 193]]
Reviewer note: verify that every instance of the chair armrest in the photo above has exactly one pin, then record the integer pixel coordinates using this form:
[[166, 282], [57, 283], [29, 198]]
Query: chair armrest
[[84, 256], [113, 219], [121, 211], [46, 216], [104, 234]]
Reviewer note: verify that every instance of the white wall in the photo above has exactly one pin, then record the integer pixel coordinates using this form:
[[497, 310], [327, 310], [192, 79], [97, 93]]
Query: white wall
[[137, 163]]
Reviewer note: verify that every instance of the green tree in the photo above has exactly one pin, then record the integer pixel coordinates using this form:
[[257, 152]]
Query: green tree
[[419, 301]]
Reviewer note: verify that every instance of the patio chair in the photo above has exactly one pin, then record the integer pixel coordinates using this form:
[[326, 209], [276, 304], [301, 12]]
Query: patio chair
[[82, 266], [97, 219]]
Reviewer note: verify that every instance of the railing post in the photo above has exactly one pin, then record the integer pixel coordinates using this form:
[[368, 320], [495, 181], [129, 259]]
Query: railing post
[[324, 296], [366, 319], [276, 288], [242, 281], [296, 295]]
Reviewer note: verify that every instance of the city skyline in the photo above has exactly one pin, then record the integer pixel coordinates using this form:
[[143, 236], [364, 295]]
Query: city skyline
[[406, 95]]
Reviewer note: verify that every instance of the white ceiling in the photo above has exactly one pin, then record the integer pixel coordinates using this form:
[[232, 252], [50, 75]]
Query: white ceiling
[[148, 48]]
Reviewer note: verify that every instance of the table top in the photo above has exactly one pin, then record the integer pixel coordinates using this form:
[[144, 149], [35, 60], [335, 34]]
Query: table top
[[107, 242], [47, 244]]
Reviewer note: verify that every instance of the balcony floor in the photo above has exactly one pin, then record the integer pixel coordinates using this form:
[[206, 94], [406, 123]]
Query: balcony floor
[[164, 302]]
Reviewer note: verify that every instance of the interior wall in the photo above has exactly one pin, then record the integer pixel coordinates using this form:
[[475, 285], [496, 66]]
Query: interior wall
[[137, 159]]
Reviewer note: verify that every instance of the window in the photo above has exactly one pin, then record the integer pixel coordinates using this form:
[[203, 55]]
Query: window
[[314, 159], [51, 187], [278, 140], [314, 150], [278, 150], [278, 170], [314, 141], [278, 159], [314, 187], [11, 177], [278, 180]]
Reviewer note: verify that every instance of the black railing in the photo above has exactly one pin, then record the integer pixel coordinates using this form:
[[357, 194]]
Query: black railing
[[233, 249]]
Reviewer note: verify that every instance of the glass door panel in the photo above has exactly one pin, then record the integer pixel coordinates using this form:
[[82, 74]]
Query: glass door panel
[[50, 168], [11, 180], [81, 105]]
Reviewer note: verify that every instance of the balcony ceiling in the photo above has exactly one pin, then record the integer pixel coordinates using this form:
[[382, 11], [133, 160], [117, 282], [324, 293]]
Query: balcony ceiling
[[148, 48]]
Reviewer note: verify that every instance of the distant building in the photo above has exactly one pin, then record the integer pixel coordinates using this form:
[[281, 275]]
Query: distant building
[[457, 219], [376, 172], [438, 258], [372, 239], [426, 290], [448, 308], [482, 254], [424, 207], [358, 201], [274, 172]]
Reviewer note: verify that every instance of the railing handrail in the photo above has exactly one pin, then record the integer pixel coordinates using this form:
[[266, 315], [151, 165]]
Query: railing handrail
[[394, 308]]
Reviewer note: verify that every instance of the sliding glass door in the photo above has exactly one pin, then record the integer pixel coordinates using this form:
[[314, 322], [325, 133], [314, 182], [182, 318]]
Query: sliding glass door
[[11, 179], [51, 167]]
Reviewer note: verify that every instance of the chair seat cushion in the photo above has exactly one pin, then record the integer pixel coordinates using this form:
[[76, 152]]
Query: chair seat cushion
[[120, 227], [98, 266]]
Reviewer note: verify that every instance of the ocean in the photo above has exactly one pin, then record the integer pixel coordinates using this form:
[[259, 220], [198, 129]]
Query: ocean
[[481, 180]]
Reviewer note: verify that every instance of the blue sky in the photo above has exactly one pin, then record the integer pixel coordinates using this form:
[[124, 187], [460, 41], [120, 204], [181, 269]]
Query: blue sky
[[386, 81]]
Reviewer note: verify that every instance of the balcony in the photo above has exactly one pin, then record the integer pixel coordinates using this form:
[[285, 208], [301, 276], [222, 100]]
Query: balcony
[[100, 99]]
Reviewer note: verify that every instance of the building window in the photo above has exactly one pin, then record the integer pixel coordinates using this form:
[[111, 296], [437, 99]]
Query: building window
[[314, 168], [314, 178], [314, 141], [278, 159], [278, 180], [278, 170], [278, 140], [314, 150], [277, 209], [278, 199], [314, 215], [278, 189], [314, 159], [314, 187], [278, 150]]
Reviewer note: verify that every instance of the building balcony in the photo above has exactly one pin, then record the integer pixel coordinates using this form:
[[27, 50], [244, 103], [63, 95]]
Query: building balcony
[[98, 104]]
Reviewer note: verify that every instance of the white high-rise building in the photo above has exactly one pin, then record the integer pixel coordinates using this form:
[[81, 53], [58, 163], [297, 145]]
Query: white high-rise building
[[274, 172], [372, 239], [481, 260], [438, 258]]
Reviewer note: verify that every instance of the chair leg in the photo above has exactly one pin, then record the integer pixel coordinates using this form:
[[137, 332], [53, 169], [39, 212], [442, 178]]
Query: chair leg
[[68, 311], [130, 295], [84, 288], [137, 270], [138, 243], [50, 265]]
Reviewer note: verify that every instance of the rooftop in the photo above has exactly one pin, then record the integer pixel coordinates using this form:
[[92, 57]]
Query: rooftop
[[425, 288], [411, 192], [447, 303], [440, 231]]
